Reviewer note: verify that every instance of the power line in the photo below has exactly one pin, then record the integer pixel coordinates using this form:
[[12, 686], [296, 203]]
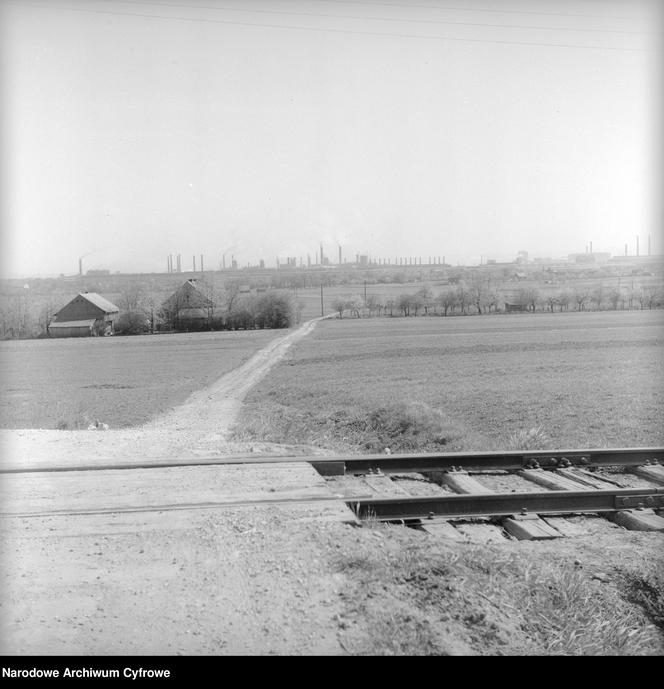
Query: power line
[[382, 19], [479, 9], [340, 31]]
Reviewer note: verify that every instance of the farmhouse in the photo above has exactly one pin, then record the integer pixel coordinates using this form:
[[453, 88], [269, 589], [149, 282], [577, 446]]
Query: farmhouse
[[188, 306], [511, 308], [87, 314]]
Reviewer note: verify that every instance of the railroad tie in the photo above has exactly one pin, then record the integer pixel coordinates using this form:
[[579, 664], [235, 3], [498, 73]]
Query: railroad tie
[[652, 473], [522, 527], [569, 479], [383, 485]]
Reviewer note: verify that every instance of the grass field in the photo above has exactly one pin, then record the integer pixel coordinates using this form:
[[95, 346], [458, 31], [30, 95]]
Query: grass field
[[121, 381], [468, 383]]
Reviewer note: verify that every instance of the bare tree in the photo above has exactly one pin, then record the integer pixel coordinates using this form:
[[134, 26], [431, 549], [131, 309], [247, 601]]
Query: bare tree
[[551, 301], [564, 299], [354, 306], [132, 299], [463, 297], [479, 289], [597, 297], [580, 298], [651, 296], [340, 305], [447, 300], [404, 304], [416, 302], [425, 297], [232, 293], [632, 294], [616, 297], [528, 297], [372, 303]]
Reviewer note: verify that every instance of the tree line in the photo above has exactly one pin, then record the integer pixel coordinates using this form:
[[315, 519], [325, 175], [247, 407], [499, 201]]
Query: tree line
[[480, 297]]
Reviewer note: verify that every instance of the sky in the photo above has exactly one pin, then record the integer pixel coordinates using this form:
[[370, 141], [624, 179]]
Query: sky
[[257, 129]]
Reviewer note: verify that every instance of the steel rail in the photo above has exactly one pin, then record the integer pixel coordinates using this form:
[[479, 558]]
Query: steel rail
[[170, 507], [397, 463], [505, 461], [504, 504]]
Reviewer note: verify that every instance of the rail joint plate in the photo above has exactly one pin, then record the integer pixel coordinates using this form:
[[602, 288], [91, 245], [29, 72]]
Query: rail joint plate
[[631, 502]]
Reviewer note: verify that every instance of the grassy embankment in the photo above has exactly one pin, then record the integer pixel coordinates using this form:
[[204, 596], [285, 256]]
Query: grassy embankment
[[409, 593], [482, 383]]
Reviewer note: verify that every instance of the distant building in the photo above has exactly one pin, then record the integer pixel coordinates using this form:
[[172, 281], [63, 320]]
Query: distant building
[[597, 257], [512, 308], [187, 306], [87, 314]]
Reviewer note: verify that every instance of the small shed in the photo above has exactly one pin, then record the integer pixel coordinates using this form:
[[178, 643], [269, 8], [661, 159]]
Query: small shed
[[515, 308], [87, 314]]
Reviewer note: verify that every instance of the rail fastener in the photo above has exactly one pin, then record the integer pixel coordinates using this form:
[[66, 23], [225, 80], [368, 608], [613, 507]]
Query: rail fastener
[[507, 504]]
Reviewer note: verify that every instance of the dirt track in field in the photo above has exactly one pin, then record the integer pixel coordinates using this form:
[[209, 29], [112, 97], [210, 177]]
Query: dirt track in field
[[215, 409], [268, 579], [238, 580], [198, 428]]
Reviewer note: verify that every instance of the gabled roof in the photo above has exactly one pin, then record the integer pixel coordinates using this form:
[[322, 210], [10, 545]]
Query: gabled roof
[[99, 301], [187, 296], [87, 323]]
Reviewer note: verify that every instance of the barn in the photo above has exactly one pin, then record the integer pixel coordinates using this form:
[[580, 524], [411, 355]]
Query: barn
[[87, 314], [188, 307]]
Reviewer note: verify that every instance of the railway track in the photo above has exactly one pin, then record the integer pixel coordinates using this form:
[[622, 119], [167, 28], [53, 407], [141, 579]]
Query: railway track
[[574, 482], [427, 489]]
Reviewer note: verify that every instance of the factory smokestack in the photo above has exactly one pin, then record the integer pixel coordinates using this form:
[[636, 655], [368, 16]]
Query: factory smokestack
[[80, 267], [321, 253], [637, 244], [339, 255], [201, 263]]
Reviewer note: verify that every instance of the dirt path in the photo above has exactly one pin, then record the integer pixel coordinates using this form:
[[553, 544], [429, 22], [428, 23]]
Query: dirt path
[[198, 428], [256, 579], [215, 408]]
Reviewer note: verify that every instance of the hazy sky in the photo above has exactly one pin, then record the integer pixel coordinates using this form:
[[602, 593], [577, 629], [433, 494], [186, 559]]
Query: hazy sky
[[260, 128]]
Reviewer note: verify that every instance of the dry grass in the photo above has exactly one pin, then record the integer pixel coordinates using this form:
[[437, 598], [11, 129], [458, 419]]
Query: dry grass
[[532, 439], [399, 427], [645, 588], [572, 615], [409, 594]]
